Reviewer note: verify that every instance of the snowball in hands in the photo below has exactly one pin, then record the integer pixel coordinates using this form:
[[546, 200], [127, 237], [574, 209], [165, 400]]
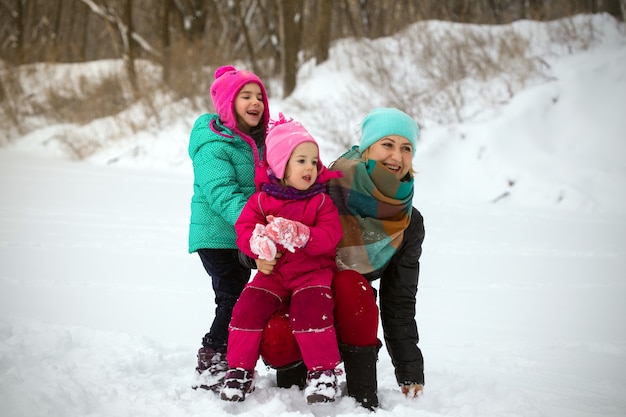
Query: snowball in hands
[[289, 233]]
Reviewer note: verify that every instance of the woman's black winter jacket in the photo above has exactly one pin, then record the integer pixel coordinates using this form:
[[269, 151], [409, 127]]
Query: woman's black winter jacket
[[398, 291]]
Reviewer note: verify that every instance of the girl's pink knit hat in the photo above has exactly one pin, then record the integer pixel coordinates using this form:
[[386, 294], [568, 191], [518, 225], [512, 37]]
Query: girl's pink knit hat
[[282, 138], [224, 90]]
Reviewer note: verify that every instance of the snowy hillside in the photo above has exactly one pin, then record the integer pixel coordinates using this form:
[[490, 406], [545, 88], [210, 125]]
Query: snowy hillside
[[521, 303]]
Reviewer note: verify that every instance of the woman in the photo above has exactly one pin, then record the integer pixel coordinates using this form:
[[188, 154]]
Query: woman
[[382, 239]]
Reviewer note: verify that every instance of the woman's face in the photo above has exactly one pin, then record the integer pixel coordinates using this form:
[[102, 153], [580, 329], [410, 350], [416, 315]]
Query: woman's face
[[394, 152], [249, 106]]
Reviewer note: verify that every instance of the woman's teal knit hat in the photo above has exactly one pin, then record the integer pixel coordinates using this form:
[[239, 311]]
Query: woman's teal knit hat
[[384, 121]]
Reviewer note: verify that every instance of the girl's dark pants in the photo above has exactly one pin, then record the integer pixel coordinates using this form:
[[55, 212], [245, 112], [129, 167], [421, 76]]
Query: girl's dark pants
[[228, 278]]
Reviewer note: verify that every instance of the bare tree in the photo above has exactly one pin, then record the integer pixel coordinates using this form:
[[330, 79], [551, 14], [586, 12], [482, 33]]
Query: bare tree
[[129, 46], [193, 15], [246, 36], [121, 32], [289, 20], [56, 28], [3, 95], [616, 8], [461, 10], [20, 20], [324, 18], [165, 39], [268, 35]]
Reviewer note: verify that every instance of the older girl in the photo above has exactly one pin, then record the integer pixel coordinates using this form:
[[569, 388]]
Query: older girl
[[225, 148]]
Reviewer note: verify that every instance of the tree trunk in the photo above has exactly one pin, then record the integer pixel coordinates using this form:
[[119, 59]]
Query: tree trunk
[[458, 11], [324, 20], [20, 22], [289, 43], [54, 51], [246, 37], [495, 10], [165, 41], [129, 48], [84, 50], [615, 8]]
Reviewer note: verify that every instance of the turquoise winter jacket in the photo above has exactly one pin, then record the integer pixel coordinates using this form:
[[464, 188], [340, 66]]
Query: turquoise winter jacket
[[223, 166]]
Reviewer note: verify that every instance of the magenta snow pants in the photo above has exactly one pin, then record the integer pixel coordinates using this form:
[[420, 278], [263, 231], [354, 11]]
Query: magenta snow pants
[[356, 321], [310, 316]]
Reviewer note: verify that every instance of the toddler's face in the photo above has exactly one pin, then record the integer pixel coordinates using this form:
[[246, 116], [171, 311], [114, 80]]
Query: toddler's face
[[301, 169]]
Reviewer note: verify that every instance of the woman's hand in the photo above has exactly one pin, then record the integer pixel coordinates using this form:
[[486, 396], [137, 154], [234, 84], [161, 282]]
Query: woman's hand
[[412, 390], [267, 266]]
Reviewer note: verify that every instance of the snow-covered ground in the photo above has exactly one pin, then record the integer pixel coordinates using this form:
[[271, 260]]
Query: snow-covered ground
[[522, 300]]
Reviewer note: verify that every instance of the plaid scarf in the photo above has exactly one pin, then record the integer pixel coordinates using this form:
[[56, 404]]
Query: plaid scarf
[[375, 209]]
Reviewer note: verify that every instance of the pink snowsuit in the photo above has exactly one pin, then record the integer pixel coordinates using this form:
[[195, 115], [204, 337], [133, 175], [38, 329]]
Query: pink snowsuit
[[304, 277]]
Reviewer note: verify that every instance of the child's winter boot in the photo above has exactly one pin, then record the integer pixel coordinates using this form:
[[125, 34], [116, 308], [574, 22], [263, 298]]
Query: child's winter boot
[[321, 386], [237, 383], [213, 360]]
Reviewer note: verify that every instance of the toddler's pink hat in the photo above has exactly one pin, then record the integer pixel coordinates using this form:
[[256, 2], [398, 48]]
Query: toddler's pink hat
[[224, 90], [282, 138]]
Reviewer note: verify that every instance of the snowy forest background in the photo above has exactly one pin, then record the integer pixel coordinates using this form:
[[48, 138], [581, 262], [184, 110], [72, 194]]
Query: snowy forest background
[[520, 179]]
